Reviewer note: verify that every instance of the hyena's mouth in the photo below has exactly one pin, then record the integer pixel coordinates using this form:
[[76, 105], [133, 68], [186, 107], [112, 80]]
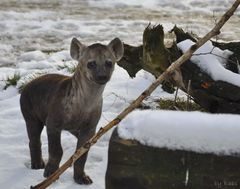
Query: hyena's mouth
[[101, 80]]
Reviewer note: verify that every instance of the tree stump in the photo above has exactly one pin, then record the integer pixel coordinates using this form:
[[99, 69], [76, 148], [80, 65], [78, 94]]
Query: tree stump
[[135, 166]]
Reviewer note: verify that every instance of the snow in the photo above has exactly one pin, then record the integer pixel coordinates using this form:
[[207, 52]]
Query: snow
[[193, 131], [49, 26], [35, 39], [33, 55], [186, 5], [212, 60]]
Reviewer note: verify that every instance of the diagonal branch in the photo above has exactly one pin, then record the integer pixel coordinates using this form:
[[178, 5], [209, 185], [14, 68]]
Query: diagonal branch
[[215, 31]]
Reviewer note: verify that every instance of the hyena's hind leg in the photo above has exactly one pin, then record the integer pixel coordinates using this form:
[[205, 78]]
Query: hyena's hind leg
[[34, 130]]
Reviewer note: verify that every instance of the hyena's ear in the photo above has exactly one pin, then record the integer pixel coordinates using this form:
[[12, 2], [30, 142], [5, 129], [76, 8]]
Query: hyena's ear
[[116, 46], [76, 48]]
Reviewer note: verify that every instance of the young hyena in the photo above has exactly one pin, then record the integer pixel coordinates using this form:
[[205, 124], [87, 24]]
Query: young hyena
[[68, 103]]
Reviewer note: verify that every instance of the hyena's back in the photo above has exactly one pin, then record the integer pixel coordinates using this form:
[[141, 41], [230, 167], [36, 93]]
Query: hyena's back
[[37, 95]]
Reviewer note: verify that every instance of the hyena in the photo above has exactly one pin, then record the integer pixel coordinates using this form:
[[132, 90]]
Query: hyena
[[74, 104]]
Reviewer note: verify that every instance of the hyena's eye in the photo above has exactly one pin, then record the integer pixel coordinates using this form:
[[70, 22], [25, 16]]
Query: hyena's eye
[[92, 64], [108, 64]]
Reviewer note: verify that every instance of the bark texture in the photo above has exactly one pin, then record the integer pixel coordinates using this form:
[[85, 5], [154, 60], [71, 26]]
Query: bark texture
[[132, 165]]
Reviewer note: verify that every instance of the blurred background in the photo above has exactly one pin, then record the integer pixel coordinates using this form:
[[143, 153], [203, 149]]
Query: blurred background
[[28, 25]]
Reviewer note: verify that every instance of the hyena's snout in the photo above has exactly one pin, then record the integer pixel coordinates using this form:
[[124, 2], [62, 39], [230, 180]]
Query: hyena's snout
[[102, 79], [102, 75]]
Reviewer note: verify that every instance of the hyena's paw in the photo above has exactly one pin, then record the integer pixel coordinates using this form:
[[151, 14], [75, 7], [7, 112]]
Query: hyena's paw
[[83, 179], [49, 169], [38, 165]]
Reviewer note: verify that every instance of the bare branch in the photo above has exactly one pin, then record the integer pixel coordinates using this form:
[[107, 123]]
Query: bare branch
[[188, 95], [211, 52]]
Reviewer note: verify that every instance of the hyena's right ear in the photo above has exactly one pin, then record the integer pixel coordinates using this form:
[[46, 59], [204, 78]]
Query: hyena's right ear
[[76, 48], [116, 46]]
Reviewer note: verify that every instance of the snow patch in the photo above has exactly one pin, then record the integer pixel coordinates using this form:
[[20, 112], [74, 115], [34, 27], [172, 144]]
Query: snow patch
[[212, 60], [32, 55], [193, 131]]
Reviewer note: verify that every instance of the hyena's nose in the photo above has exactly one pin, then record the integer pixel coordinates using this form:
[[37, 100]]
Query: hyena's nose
[[102, 79]]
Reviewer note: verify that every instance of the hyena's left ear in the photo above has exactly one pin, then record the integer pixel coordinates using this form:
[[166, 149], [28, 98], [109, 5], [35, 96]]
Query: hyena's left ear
[[76, 48], [116, 46]]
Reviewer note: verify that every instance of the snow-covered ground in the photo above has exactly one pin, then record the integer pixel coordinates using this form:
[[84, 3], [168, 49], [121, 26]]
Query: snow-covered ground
[[34, 39], [14, 154]]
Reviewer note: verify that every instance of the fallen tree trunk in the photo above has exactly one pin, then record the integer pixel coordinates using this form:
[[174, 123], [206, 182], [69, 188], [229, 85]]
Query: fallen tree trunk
[[214, 96]]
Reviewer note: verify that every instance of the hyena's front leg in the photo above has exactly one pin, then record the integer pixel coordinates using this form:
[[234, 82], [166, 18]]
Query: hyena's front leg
[[79, 175]]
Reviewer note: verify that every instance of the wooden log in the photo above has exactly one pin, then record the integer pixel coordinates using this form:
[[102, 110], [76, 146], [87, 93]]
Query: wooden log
[[214, 96], [133, 165], [234, 60]]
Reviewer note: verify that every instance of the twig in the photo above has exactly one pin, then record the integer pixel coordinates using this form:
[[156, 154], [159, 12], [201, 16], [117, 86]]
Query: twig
[[188, 95], [207, 53], [176, 108], [82, 150], [175, 98], [210, 52], [238, 66], [215, 22]]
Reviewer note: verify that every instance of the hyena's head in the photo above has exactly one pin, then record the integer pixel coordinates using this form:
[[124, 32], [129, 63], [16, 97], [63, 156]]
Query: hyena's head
[[97, 61]]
